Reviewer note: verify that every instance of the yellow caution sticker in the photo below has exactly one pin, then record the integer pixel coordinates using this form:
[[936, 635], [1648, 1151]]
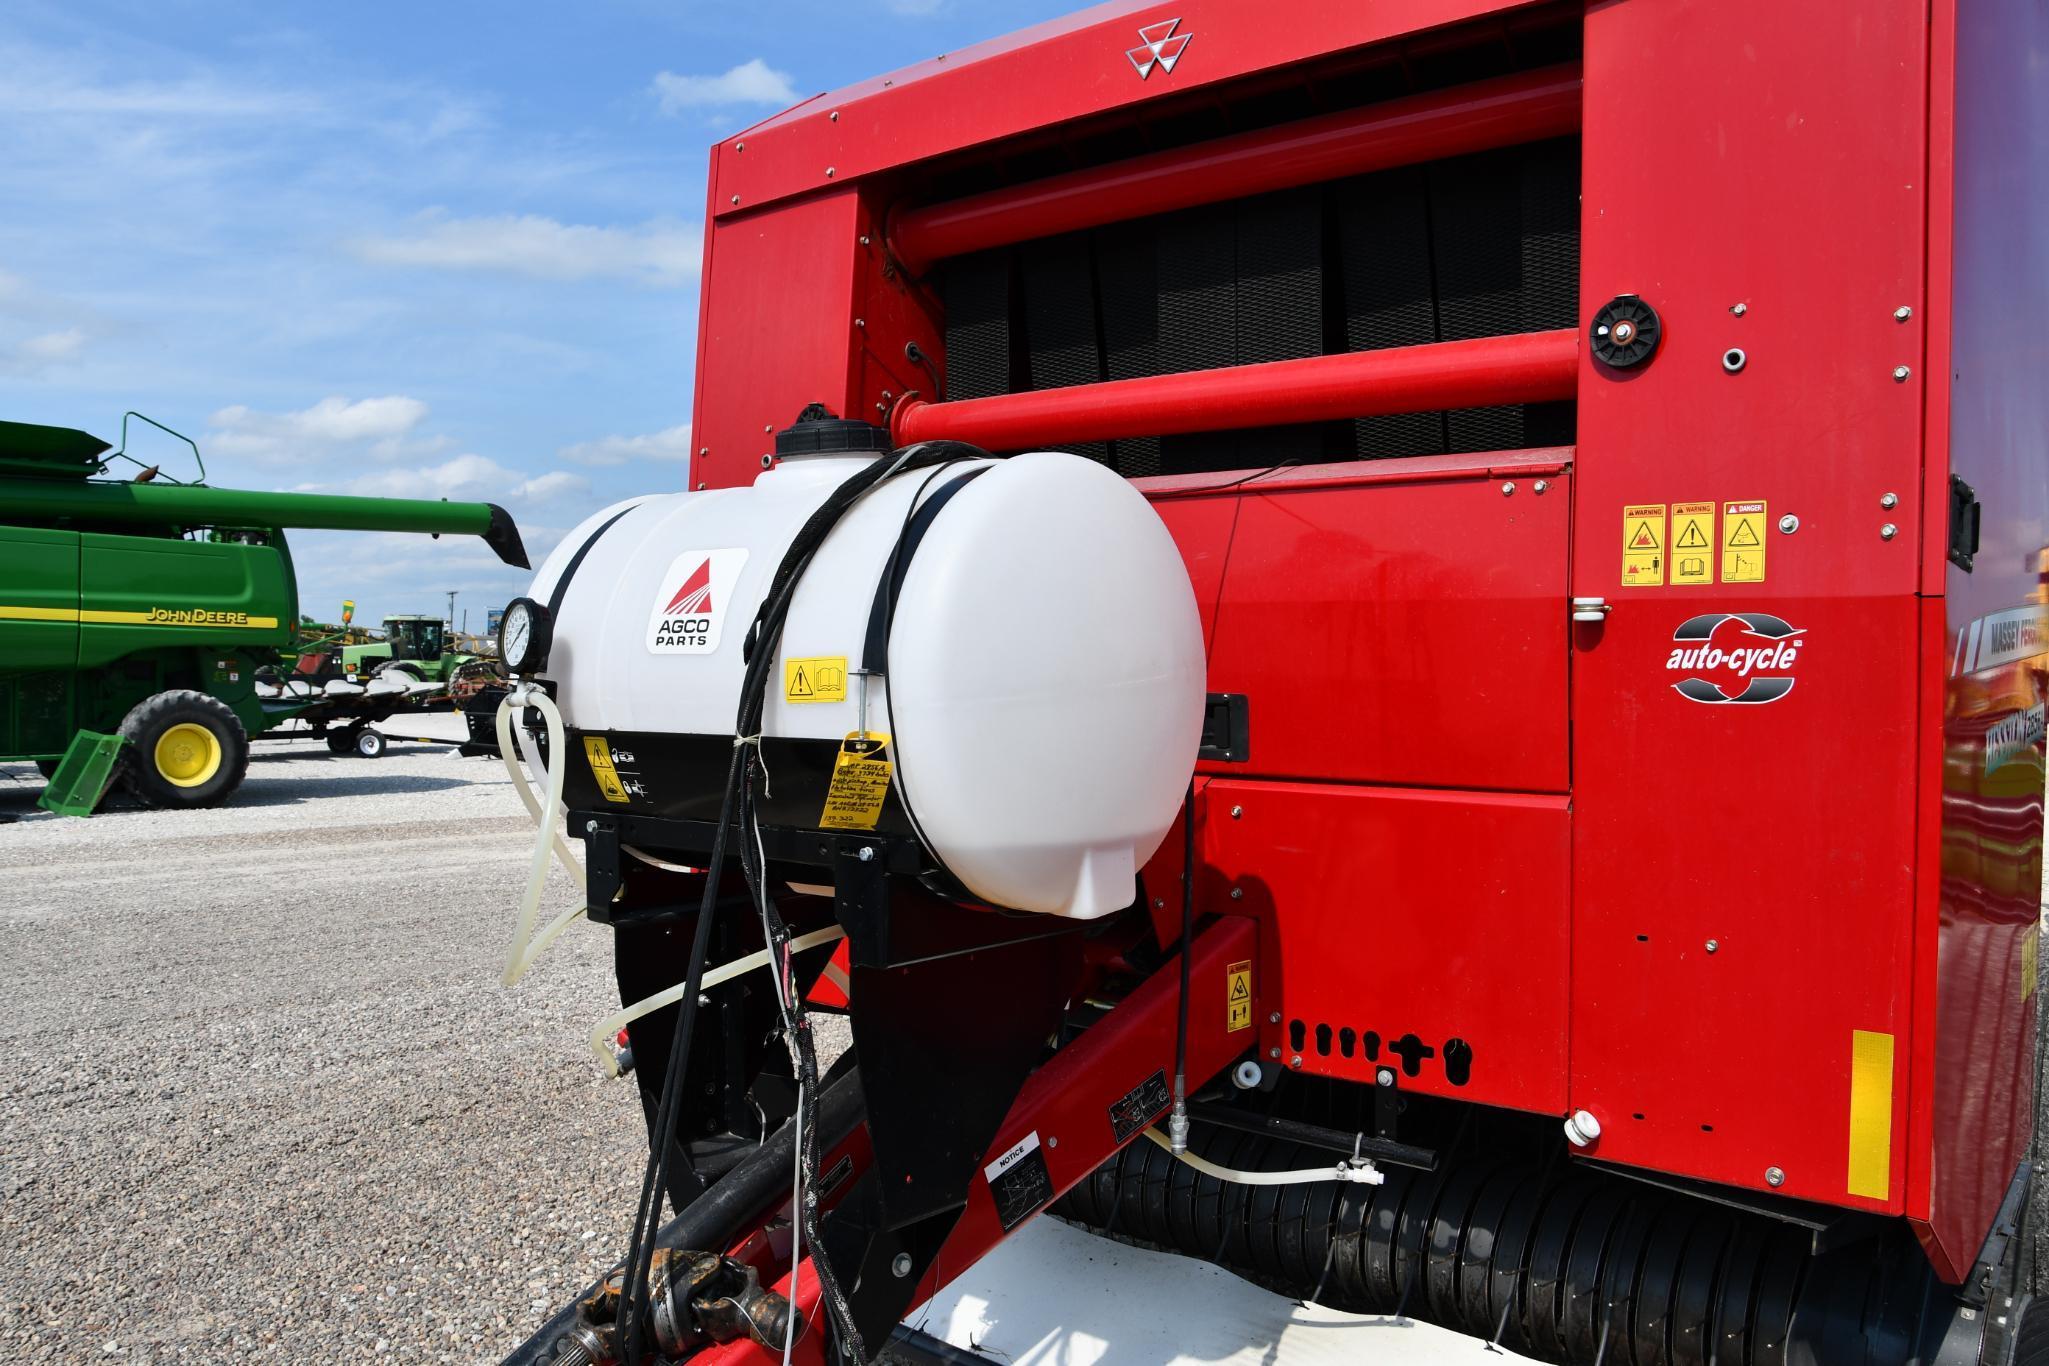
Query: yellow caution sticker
[[1743, 542], [1870, 1114], [2031, 953], [599, 752], [1643, 545], [1238, 996], [1693, 543], [823, 679], [860, 783]]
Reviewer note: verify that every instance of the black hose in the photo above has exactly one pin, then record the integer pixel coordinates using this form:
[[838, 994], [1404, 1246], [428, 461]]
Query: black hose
[[763, 639]]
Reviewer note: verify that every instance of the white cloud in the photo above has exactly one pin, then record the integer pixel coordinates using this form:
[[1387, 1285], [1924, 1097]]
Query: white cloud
[[751, 82], [671, 443], [468, 478], [384, 423], [661, 252]]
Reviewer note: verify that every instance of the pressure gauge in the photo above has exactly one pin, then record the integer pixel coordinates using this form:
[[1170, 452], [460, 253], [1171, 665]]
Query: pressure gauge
[[523, 636]]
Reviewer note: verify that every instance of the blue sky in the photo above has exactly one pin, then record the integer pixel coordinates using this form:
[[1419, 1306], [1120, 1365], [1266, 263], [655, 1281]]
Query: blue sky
[[421, 249]]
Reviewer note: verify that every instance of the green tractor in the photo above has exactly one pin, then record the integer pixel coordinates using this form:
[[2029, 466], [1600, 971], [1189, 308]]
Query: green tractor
[[135, 615], [414, 647]]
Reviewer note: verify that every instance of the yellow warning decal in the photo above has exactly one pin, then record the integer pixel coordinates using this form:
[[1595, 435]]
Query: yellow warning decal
[[860, 783], [823, 679], [1743, 542], [1238, 996], [599, 752], [1693, 543], [1643, 545], [2031, 952], [1870, 1114]]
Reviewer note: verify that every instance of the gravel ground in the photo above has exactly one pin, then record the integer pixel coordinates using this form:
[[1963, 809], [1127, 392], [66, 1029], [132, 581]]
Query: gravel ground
[[269, 1101]]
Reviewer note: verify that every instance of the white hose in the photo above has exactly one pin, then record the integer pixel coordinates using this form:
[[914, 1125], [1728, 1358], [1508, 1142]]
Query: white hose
[[1355, 1170], [525, 949], [608, 1028]]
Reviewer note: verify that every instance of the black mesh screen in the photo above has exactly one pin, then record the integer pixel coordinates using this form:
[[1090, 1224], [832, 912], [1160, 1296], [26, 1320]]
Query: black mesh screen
[[1470, 247]]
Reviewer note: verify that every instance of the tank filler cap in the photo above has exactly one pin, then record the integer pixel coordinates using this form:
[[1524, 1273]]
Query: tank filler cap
[[1582, 1129], [817, 431]]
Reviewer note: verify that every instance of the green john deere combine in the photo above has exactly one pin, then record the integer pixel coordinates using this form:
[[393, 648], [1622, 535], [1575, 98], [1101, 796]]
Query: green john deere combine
[[135, 614]]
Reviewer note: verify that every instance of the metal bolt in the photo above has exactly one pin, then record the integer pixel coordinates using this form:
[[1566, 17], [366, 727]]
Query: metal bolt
[[864, 239], [768, 426], [1295, 1061], [1734, 359], [1273, 1052], [1889, 501], [1789, 524], [1713, 945], [1384, 1077], [1902, 313], [736, 199], [831, 171], [1507, 490], [590, 827], [1774, 1177], [1159, 903], [703, 451], [1540, 486], [702, 485], [833, 117], [866, 854], [1237, 894], [1887, 532], [1900, 373], [1274, 1018], [1236, 812], [1739, 309], [739, 146], [1052, 1142], [901, 1265], [860, 322]]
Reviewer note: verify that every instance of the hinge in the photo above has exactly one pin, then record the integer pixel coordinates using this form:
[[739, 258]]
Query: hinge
[[1591, 609], [1963, 524]]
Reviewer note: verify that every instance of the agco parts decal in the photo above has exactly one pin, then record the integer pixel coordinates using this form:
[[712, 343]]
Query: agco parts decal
[[1735, 657], [692, 602], [1158, 46]]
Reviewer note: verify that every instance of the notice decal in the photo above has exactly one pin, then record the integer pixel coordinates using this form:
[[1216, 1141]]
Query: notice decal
[[1746, 657], [692, 602]]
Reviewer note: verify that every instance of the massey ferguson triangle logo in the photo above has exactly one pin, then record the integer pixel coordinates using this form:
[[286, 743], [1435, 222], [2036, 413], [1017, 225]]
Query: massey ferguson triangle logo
[[694, 595], [1159, 46], [1735, 657], [685, 618]]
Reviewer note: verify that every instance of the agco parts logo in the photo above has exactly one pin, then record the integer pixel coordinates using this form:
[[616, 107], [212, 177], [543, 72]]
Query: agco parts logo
[[1735, 657], [1158, 46], [692, 600]]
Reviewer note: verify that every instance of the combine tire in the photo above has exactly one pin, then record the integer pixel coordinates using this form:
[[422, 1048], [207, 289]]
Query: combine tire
[[185, 749]]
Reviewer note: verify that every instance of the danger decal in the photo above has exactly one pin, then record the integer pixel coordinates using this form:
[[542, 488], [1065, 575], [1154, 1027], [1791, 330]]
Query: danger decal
[[1748, 657], [693, 600]]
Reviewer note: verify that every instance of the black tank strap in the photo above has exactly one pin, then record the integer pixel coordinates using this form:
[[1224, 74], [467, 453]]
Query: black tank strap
[[881, 616]]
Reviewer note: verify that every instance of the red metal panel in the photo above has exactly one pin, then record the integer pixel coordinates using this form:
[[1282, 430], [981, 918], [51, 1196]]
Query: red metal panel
[[1403, 916], [1039, 78], [1994, 666], [775, 331], [1782, 172], [1529, 367], [1501, 113], [1397, 632]]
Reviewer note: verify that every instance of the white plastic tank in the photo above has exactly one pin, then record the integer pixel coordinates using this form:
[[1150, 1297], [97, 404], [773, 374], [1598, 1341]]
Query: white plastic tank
[[1046, 670]]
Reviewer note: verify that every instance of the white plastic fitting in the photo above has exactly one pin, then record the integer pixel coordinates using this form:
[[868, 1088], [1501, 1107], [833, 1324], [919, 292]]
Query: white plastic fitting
[[1582, 1129]]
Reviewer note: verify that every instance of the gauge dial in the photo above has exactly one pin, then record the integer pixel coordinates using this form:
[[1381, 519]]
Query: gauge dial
[[523, 636]]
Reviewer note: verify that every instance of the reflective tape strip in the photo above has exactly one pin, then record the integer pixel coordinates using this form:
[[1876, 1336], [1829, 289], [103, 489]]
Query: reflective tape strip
[[1870, 1114], [162, 617]]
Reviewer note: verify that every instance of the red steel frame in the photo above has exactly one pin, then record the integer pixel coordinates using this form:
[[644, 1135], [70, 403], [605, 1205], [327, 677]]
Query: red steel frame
[[1402, 629]]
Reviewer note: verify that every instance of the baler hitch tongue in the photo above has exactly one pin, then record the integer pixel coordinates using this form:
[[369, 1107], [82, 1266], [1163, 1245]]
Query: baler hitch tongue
[[695, 1299]]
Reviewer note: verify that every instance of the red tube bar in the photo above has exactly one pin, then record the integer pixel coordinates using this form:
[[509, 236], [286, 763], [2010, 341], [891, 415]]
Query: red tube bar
[[1525, 367], [1445, 123]]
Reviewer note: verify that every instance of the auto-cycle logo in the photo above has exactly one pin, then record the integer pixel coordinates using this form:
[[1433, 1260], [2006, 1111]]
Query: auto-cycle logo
[[1159, 46], [693, 600], [1735, 657]]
